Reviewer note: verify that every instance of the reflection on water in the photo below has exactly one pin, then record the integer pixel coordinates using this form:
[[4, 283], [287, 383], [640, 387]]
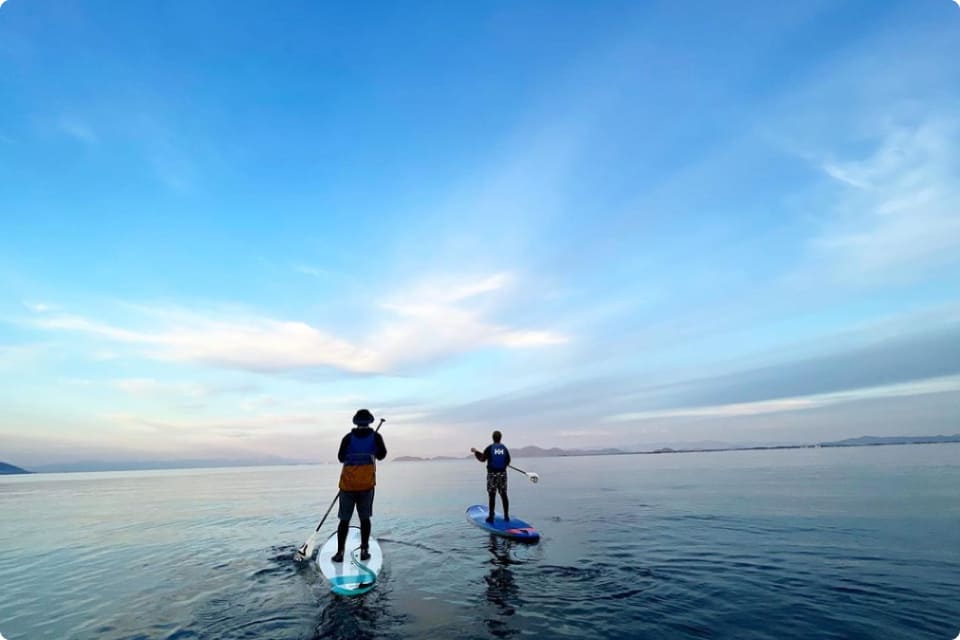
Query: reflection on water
[[502, 590]]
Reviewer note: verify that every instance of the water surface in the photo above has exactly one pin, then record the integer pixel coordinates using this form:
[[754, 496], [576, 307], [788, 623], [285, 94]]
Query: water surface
[[811, 543]]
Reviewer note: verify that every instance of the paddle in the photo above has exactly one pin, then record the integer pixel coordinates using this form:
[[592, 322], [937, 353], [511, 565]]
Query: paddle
[[307, 548], [532, 475]]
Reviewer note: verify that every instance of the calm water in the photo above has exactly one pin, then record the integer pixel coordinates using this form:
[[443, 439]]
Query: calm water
[[828, 543]]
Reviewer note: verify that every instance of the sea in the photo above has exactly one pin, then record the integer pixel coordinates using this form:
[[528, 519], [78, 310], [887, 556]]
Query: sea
[[842, 543]]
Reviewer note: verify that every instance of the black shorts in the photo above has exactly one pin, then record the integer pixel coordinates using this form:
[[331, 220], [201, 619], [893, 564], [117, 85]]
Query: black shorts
[[362, 500], [496, 481]]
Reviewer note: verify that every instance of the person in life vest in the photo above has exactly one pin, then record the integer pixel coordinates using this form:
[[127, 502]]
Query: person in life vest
[[497, 457], [359, 451]]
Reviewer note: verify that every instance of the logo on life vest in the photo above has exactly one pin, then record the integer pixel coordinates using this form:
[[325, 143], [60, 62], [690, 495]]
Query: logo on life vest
[[498, 452]]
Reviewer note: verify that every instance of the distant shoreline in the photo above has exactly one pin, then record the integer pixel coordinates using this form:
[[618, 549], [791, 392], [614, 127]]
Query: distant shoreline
[[665, 450], [520, 453]]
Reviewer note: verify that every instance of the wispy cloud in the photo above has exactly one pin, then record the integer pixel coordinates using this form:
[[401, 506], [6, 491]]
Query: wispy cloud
[[153, 387], [438, 319], [38, 307], [18, 357], [900, 214], [249, 343], [231, 423], [77, 129], [431, 323], [309, 271], [781, 405], [900, 365]]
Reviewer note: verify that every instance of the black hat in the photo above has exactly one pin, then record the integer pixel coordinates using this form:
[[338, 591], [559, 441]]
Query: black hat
[[363, 418]]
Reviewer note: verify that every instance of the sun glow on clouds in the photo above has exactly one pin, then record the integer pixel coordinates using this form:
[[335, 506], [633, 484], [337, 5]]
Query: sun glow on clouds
[[432, 322]]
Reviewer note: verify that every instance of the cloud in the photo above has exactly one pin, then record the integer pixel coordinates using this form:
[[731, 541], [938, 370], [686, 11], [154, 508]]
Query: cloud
[[431, 323], [38, 307], [77, 130], [149, 387], [780, 405], [249, 343], [232, 424], [899, 212], [891, 365], [435, 318], [458, 291], [20, 357], [309, 271]]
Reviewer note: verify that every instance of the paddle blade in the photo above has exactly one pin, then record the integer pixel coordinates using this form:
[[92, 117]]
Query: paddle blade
[[306, 549], [534, 477]]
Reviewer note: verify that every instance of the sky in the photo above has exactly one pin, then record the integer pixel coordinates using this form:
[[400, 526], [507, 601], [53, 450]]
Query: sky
[[226, 226]]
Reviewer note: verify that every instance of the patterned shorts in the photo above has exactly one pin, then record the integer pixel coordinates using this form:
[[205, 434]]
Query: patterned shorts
[[496, 481]]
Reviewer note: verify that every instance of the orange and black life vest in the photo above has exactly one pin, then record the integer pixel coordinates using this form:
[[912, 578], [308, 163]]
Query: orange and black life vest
[[359, 466]]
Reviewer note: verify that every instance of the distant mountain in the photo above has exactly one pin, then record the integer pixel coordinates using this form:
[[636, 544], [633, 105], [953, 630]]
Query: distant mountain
[[865, 441], [9, 469], [538, 452], [145, 465], [419, 459]]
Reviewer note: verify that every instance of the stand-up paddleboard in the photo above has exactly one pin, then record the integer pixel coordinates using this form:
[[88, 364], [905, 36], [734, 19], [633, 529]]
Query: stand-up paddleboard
[[352, 576], [515, 528]]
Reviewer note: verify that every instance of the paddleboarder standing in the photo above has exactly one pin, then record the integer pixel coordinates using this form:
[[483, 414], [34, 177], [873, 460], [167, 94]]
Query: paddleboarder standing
[[359, 451], [497, 457]]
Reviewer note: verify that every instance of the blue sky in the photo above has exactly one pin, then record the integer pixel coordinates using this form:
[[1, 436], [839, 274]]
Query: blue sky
[[226, 226]]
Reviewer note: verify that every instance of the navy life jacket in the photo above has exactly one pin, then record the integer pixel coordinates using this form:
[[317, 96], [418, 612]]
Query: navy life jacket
[[497, 459], [361, 449]]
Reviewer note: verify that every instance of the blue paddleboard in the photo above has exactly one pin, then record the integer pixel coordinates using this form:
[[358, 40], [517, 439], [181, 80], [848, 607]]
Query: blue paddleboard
[[515, 528]]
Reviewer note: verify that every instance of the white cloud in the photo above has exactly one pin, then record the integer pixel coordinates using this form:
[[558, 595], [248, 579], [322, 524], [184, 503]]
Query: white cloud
[[309, 271], [466, 290], [432, 323], [900, 213], [38, 307], [782, 405]]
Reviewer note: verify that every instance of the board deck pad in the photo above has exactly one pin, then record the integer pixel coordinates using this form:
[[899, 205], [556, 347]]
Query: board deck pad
[[515, 528], [350, 577]]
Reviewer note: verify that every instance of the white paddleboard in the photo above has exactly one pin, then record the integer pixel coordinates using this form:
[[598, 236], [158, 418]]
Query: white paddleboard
[[352, 576]]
